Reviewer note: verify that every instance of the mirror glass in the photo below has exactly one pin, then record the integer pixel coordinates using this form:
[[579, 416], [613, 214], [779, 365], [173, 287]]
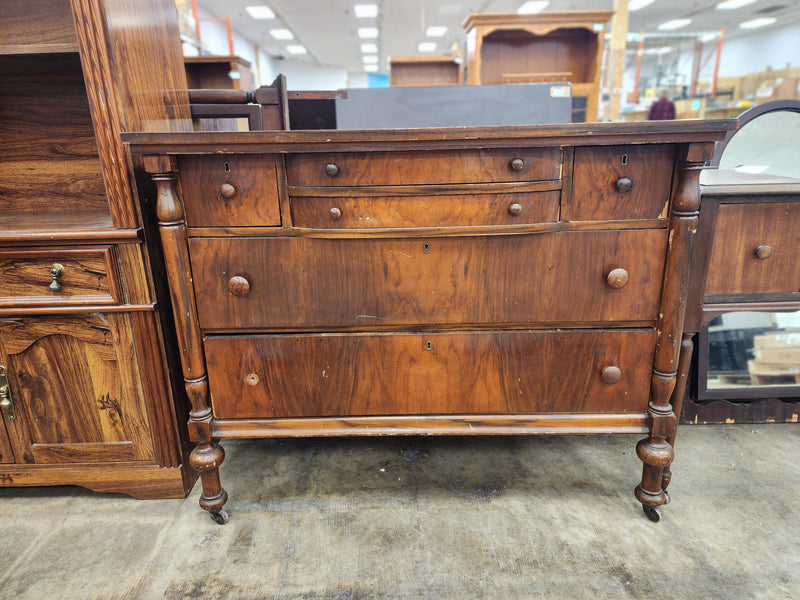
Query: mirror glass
[[767, 144]]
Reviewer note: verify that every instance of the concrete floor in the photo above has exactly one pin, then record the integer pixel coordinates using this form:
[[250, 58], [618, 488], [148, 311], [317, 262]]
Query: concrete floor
[[535, 517]]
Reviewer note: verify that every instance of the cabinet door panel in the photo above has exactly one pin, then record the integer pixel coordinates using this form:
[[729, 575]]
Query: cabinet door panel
[[76, 391], [6, 452]]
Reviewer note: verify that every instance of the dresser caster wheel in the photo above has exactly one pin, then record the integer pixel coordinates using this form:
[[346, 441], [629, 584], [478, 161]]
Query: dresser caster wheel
[[652, 513], [220, 517]]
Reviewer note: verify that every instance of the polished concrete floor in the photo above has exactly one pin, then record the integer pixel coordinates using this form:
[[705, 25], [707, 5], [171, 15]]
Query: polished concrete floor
[[462, 518]]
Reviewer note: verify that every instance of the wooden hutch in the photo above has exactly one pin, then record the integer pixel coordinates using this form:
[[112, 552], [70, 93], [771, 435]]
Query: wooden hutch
[[542, 48], [85, 384], [444, 69]]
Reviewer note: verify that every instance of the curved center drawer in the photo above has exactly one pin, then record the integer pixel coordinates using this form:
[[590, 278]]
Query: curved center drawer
[[507, 372], [568, 277]]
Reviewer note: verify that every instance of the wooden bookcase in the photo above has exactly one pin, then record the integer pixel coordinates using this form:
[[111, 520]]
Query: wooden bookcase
[[87, 397], [214, 73], [446, 69], [542, 48]]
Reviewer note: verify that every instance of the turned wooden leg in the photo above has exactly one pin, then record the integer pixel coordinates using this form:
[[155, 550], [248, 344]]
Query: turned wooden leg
[[206, 459], [687, 348]]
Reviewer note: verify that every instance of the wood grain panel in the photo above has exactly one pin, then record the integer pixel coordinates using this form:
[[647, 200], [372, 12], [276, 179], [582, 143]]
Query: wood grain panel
[[318, 282], [404, 168], [740, 228], [597, 171], [430, 373], [6, 452], [253, 183], [77, 453], [435, 211], [37, 26]]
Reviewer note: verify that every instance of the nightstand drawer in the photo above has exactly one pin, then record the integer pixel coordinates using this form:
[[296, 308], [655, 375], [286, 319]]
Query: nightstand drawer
[[228, 190], [756, 249], [592, 276], [267, 376], [361, 212], [415, 168], [57, 276], [621, 182]]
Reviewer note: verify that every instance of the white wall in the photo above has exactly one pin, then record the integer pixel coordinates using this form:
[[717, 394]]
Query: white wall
[[771, 47]]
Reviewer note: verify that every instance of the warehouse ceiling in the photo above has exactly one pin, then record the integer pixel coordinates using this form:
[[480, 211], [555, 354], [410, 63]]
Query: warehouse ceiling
[[327, 30]]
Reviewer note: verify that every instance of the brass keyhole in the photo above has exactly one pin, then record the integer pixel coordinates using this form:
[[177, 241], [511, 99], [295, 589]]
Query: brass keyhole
[[426, 247], [429, 345], [227, 167], [624, 160]]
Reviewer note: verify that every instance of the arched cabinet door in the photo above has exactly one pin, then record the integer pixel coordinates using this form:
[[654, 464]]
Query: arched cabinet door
[[76, 393]]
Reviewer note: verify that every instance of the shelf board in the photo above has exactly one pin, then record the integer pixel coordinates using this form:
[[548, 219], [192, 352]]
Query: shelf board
[[73, 226], [54, 48]]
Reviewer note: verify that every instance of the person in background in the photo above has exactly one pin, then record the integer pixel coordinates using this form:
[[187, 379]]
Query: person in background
[[662, 109]]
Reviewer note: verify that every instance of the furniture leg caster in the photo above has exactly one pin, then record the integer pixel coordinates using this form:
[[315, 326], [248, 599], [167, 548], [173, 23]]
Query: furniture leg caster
[[652, 513], [220, 517]]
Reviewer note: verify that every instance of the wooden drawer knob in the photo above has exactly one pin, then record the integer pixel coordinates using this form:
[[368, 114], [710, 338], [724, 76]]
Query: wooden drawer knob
[[617, 278], [336, 214], [331, 170], [611, 375], [517, 164], [514, 208], [238, 285], [624, 184], [227, 191], [763, 252]]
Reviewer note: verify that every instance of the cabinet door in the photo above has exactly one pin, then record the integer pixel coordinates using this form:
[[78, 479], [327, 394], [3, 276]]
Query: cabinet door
[[6, 452], [76, 390]]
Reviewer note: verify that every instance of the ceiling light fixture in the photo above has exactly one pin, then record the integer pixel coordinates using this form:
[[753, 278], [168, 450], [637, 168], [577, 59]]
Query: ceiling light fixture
[[674, 24], [367, 33], [281, 34], [426, 47], [532, 7], [296, 49], [371, 68], [369, 48], [369, 59], [435, 31], [634, 5], [756, 23], [260, 12], [732, 4], [366, 11]]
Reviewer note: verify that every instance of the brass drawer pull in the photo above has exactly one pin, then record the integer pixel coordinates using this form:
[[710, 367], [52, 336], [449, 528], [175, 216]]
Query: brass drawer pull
[[56, 272], [336, 213], [763, 252], [517, 164], [617, 278], [331, 170], [227, 191], [624, 184], [238, 285], [6, 403], [515, 208], [611, 375]]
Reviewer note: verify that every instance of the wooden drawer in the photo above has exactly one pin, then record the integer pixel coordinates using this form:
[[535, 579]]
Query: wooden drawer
[[601, 176], [429, 373], [88, 277], [413, 168], [743, 232], [424, 211], [368, 282], [230, 190]]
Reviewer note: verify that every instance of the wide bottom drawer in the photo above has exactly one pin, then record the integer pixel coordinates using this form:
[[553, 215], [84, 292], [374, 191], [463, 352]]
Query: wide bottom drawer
[[498, 372]]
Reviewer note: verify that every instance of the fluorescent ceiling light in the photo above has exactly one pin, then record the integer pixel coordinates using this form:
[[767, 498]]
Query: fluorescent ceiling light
[[370, 59], [640, 4], [674, 24], [532, 7], [365, 11], [369, 48], [260, 12], [755, 23], [435, 31], [732, 4], [707, 37], [296, 49], [371, 68], [426, 47], [281, 34], [367, 33]]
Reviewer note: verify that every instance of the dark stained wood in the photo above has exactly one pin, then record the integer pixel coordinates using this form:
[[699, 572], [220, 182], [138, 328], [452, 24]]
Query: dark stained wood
[[36, 26], [209, 199], [765, 410], [432, 373], [6, 451], [598, 171], [305, 282], [740, 229], [435, 211], [422, 167]]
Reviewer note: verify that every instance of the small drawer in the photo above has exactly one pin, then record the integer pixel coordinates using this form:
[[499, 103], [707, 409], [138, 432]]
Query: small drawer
[[362, 212], [756, 249], [621, 182], [418, 168], [470, 372], [230, 190], [57, 276], [310, 282]]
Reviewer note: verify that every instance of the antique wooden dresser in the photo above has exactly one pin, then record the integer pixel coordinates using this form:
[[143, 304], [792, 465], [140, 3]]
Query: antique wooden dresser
[[512, 280]]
